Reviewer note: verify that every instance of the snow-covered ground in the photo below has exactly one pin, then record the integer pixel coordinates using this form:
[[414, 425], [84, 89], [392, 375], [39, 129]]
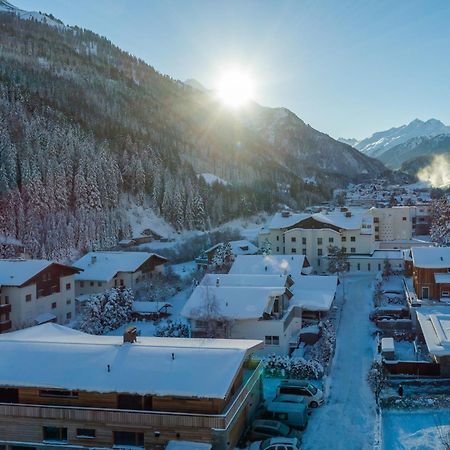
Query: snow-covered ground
[[416, 430], [147, 328], [347, 419]]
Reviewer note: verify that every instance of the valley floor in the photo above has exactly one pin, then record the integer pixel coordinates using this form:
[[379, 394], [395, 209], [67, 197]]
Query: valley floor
[[347, 420]]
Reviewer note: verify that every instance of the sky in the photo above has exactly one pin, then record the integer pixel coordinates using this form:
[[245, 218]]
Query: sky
[[346, 67]]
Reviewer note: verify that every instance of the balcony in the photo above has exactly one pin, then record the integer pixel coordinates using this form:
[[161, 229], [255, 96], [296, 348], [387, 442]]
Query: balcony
[[5, 326], [5, 308], [144, 419]]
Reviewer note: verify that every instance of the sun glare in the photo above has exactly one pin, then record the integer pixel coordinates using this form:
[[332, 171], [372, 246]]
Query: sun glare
[[235, 88]]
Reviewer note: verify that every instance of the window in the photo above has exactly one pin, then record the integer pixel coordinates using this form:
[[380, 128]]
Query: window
[[353, 238], [377, 229], [68, 315], [128, 438], [272, 340], [68, 286], [445, 294], [58, 393], [85, 433], [278, 249], [318, 262], [330, 240], [359, 266], [68, 302], [425, 292], [81, 283], [344, 249], [99, 284], [303, 251], [319, 241], [6, 300], [319, 252], [376, 219], [379, 266], [368, 267], [278, 238], [344, 239], [54, 434], [304, 241], [91, 283], [54, 305], [404, 219], [293, 239], [293, 250], [122, 283], [352, 250], [28, 298]]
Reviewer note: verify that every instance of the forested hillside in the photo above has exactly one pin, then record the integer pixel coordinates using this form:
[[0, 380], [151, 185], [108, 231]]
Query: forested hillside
[[86, 128]]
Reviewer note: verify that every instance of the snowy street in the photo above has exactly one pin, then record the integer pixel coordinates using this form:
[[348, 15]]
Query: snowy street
[[347, 419]]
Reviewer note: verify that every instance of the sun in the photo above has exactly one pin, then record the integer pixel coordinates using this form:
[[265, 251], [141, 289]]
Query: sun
[[235, 88]]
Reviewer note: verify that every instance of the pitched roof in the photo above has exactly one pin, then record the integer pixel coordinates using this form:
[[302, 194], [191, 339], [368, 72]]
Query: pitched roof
[[53, 356], [16, 272], [230, 302], [103, 266], [270, 264], [314, 292], [431, 257]]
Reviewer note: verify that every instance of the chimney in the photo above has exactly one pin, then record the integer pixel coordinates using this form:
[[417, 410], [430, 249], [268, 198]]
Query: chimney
[[130, 335], [93, 259]]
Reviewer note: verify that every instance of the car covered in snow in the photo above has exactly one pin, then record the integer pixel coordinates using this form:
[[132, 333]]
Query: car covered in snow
[[265, 429], [391, 311], [277, 443], [312, 395]]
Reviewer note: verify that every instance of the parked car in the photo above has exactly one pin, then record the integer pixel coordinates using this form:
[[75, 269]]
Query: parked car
[[278, 443], [313, 396], [266, 429], [392, 311], [292, 413]]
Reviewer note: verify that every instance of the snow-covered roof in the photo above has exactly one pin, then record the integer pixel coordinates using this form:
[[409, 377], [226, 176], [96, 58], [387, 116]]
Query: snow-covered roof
[[387, 344], [241, 247], [269, 264], [351, 219], [246, 280], [431, 257], [16, 272], [150, 307], [231, 302], [435, 325], [286, 220], [53, 356], [442, 278], [44, 317], [103, 266], [314, 292]]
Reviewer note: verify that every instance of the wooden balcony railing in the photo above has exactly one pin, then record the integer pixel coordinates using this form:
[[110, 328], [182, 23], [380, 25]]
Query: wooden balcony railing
[[133, 418], [5, 326], [5, 308]]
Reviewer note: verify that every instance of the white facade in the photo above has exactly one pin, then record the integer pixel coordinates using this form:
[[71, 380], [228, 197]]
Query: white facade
[[394, 223]]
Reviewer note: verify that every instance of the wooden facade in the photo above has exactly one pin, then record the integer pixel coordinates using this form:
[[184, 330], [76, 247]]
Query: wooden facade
[[26, 411], [426, 286]]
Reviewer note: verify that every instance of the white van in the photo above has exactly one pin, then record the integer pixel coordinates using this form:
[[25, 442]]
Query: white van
[[292, 414]]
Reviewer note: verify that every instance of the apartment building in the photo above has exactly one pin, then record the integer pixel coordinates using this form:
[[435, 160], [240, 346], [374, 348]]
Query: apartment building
[[391, 224], [431, 272], [312, 234], [105, 270], [64, 388], [245, 307], [34, 292]]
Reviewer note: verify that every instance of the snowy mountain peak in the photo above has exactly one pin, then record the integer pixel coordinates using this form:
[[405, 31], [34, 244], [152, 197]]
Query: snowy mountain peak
[[382, 141], [7, 7]]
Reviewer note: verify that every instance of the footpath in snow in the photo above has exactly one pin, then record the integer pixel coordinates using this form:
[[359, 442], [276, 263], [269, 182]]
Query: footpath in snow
[[347, 420]]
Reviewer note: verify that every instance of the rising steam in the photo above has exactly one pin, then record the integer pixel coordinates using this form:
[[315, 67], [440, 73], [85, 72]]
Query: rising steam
[[437, 174]]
